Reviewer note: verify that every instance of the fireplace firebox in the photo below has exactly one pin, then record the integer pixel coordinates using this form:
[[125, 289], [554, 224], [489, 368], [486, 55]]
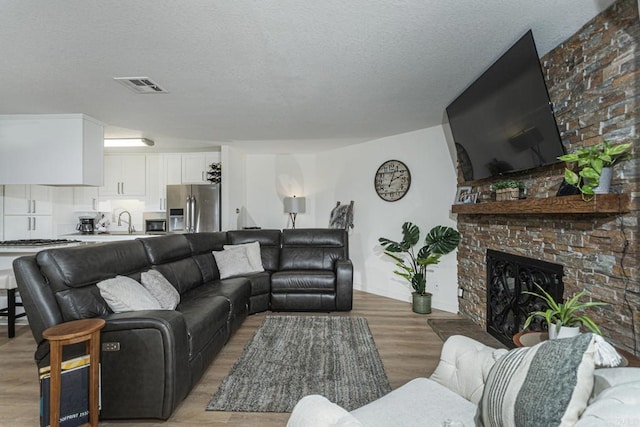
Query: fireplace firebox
[[507, 307]]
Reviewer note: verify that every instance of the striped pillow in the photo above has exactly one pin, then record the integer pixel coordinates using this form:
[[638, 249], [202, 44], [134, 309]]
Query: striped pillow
[[545, 385]]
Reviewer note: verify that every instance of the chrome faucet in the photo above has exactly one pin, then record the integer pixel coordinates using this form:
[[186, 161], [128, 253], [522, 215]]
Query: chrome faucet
[[131, 230]]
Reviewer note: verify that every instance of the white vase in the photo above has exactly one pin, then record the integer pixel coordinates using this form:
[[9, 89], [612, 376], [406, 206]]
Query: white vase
[[604, 185], [565, 331]]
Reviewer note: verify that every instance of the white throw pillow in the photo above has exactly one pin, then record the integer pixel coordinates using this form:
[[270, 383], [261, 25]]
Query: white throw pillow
[[161, 289], [253, 253], [125, 294], [232, 262]]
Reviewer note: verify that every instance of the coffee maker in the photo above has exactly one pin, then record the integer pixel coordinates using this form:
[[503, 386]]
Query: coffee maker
[[86, 225]]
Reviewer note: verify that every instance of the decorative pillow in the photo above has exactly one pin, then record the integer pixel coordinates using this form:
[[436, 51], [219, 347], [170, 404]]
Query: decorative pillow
[[232, 262], [253, 253], [161, 289], [125, 294], [547, 384]]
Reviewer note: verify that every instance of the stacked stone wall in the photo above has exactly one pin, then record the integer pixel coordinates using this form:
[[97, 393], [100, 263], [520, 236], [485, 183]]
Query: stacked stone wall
[[594, 83]]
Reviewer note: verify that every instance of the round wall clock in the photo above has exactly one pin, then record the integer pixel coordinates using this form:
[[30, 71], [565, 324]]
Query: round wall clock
[[392, 180]]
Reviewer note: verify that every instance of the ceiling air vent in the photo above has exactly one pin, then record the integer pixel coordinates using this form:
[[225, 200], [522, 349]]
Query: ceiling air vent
[[141, 85]]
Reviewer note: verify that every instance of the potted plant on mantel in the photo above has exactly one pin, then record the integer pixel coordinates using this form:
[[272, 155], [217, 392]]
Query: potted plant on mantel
[[595, 167], [563, 319], [508, 189], [412, 265]]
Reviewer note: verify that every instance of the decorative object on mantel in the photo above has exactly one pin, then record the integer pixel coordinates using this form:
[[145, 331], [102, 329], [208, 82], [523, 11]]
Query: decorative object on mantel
[[562, 318], [509, 190], [464, 195], [441, 240], [214, 174], [595, 167]]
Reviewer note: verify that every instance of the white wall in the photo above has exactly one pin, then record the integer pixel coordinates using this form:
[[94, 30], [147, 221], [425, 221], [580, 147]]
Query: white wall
[[272, 177], [233, 188], [346, 174], [349, 175]]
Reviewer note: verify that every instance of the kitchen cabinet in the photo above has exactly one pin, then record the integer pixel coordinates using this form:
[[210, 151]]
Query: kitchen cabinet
[[162, 170], [17, 227], [196, 165], [85, 199], [124, 176], [28, 212], [51, 149], [23, 199]]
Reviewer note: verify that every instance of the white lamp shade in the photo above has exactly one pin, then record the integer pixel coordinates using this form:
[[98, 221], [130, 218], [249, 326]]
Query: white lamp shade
[[294, 204]]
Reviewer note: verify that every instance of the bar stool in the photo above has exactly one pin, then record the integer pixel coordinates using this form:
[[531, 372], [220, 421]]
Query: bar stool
[[77, 331], [8, 282]]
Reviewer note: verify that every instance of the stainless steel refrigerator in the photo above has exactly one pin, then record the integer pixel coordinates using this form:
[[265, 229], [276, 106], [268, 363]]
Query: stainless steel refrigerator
[[193, 208]]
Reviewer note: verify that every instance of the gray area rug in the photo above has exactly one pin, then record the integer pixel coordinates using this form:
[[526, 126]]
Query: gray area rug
[[444, 328], [292, 356]]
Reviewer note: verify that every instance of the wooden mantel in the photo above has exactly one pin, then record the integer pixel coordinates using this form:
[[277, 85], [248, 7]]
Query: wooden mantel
[[601, 204]]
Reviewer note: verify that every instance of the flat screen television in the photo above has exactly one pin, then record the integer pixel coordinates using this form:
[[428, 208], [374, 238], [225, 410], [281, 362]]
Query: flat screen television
[[504, 122]]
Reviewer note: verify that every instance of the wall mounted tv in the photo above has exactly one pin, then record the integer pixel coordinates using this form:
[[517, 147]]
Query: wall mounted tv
[[503, 122]]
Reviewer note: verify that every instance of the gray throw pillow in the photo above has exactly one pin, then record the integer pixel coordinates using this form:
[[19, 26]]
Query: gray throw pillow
[[233, 262], [544, 385], [253, 253], [161, 289], [125, 294]]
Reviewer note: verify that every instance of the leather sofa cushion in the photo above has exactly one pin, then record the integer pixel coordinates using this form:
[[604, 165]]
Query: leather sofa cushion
[[72, 274], [260, 282], [313, 249], [270, 241], [205, 313], [303, 281], [183, 274], [167, 248]]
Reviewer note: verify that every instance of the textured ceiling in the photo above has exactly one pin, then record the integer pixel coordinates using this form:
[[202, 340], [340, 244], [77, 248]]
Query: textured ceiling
[[311, 73]]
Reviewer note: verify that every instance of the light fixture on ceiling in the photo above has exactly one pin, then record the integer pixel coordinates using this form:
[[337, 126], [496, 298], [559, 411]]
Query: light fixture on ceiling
[[128, 142], [293, 206]]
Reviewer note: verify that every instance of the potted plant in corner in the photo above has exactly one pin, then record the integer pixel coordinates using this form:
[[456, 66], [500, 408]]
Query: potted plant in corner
[[508, 189], [594, 167], [563, 319], [412, 265]]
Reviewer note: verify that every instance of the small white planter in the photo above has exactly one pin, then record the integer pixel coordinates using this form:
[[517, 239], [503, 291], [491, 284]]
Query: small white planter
[[604, 185], [565, 331]]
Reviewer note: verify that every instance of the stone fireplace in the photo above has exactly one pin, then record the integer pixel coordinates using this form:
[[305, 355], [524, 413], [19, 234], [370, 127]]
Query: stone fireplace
[[593, 80], [507, 277]]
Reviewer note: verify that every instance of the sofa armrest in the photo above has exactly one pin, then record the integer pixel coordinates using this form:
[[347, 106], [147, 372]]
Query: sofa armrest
[[464, 366], [344, 285], [318, 411], [149, 357]]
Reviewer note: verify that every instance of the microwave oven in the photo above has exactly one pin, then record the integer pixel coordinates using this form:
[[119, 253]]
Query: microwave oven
[[155, 226]]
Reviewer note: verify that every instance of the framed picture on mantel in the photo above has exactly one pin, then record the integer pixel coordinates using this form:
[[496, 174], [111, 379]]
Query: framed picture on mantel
[[464, 195]]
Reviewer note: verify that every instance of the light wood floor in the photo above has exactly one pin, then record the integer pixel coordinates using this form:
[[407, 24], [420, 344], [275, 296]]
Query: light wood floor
[[407, 345]]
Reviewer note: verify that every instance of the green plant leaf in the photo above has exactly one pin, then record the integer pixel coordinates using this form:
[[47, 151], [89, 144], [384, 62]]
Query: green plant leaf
[[571, 177], [410, 235], [442, 240], [569, 158]]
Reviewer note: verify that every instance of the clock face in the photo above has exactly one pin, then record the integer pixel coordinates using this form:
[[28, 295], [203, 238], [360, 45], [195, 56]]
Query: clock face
[[392, 180]]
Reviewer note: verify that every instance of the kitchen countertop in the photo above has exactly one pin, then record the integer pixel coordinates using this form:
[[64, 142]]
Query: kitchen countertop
[[108, 237]]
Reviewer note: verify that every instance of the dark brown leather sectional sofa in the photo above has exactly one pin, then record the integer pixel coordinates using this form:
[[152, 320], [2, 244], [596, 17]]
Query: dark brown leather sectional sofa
[[162, 354]]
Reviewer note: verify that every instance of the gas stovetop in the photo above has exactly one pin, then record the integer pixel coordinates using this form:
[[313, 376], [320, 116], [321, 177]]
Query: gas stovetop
[[37, 242]]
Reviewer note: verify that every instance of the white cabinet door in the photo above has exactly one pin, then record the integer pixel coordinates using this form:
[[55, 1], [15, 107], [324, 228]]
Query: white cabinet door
[[162, 170], [20, 199], [41, 200], [85, 199], [196, 165], [112, 174], [18, 227], [16, 200], [124, 176], [133, 175]]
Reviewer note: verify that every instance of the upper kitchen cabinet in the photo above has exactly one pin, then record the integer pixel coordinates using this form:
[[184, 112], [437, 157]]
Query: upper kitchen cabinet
[[51, 149], [85, 199], [162, 170], [28, 200], [196, 165], [124, 176]]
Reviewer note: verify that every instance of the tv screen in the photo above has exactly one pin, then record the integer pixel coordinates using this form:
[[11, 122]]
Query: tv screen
[[503, 122]]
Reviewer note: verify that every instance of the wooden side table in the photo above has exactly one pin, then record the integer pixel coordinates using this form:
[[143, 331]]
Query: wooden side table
[[77, 331]]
